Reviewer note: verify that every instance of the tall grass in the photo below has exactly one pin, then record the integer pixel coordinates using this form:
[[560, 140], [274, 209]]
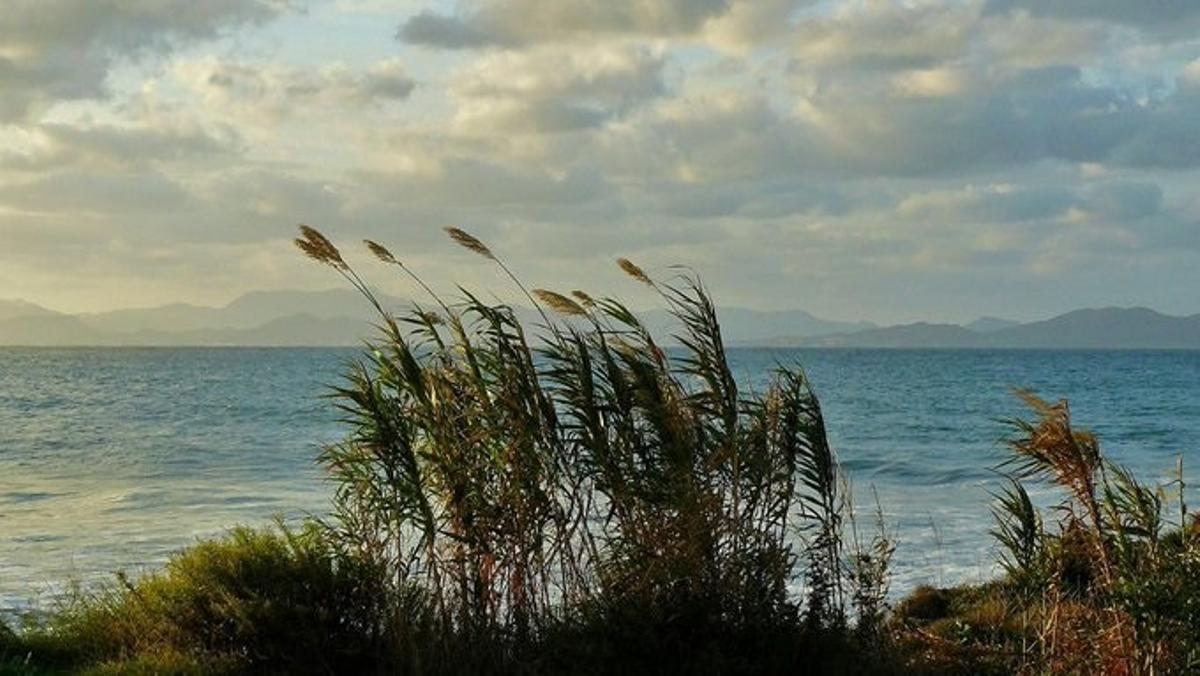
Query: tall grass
[[527, 481]]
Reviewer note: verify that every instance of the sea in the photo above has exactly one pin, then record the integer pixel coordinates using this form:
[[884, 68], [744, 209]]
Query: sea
[[113, 459]]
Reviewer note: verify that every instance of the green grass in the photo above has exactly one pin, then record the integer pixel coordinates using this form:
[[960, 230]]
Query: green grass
[[273, 599]]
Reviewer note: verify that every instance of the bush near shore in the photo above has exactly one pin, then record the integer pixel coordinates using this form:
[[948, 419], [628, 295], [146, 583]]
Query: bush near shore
[[581, 502]]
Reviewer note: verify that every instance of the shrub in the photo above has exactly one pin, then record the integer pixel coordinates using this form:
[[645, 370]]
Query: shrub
[[281, 600]]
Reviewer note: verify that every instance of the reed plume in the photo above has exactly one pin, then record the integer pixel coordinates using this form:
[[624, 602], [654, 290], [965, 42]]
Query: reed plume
[[584, 298], [381, 252], [318, 247], [560, 303], [469, 241], [634, 271]]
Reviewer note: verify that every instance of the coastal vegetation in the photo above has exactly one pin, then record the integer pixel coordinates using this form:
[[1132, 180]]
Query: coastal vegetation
[[576, 497]]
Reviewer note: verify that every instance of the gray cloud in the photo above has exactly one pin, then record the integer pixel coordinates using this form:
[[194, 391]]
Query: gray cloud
[[884, 35], [519, 22], [53, 50], [62, 145], [274, 91], [67, 192], [1176, 18]]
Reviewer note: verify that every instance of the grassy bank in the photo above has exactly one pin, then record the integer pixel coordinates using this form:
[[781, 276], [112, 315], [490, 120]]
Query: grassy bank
[[580, 502]]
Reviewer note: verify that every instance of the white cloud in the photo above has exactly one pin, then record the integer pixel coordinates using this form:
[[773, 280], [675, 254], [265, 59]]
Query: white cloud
[[555, 88]]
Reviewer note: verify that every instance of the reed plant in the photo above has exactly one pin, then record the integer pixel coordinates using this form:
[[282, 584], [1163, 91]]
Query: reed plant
[[577, 471], [1107, 580]]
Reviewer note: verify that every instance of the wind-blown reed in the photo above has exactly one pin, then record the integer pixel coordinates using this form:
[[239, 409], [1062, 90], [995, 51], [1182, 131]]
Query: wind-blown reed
[[521, 478]]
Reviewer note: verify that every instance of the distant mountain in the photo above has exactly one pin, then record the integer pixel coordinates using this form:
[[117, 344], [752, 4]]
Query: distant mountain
[[48, 329], [10, 309], [334, 317], [295, 331], [1113, 328], [921, 334], [1106, 328], [740, 326], [989, 324], [246, 312], [341, 317]]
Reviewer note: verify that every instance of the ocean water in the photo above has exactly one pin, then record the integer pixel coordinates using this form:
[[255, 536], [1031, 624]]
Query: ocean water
[[111, 459]]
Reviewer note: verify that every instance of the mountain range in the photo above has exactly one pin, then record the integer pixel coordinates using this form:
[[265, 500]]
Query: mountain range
[[1105, 328], [340, 317]]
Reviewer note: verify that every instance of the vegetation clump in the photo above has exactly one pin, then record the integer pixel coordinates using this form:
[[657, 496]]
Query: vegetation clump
[[584, 483], [1106, 581], [280, 599]]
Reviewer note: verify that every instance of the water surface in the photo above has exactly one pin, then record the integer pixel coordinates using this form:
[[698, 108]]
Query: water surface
[[114, 458]]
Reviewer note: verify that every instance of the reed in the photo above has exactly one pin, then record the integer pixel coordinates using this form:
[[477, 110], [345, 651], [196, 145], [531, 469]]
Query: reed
[[1102, 582], [526, 479]]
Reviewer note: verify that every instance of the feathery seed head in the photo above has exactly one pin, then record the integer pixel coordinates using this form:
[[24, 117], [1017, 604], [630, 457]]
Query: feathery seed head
[[318, 247], [584, 298], [559, 303], [381, 252], [634, 271], [469, 241]]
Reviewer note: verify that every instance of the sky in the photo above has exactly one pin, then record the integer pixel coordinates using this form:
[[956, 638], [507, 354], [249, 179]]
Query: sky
[[860, 159]]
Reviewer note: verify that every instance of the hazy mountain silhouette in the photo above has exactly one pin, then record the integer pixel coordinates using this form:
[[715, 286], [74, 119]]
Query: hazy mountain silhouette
[[920, 334], [245, 312], [49, 329], [1106, 328], [342, 317], [333, 317], [10, 309], [989, 324]]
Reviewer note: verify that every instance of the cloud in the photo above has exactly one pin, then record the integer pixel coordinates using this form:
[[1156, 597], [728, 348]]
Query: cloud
[[268, 92], [67, 192], [924, 123], [860, 158], [998, 203], [47, 146], [55, 50], [507, 23], [884, 35], [555, 89], [1171, 18], [752, 23]]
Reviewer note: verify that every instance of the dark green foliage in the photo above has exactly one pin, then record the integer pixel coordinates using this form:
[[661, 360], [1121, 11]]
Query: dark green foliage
[[282, 601], [1022, 539]]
